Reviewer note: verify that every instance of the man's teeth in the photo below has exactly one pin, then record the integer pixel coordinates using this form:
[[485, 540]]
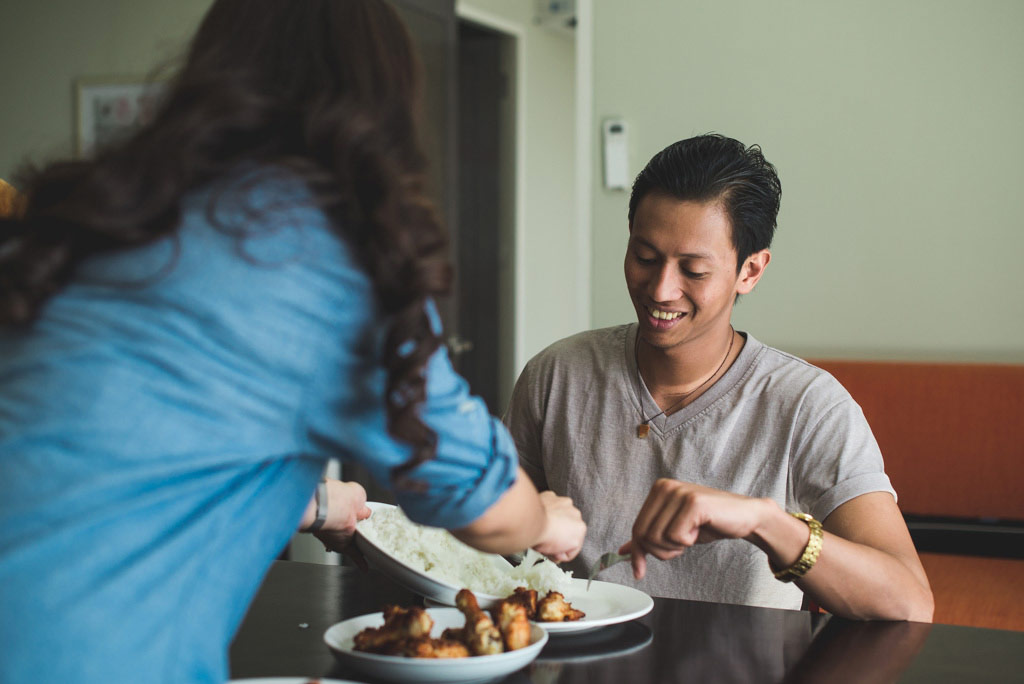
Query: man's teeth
[[664, 315]]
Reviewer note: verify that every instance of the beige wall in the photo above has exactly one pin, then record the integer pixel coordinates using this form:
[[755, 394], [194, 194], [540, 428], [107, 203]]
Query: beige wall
[[547, 242], [45, 46], [895, 127]]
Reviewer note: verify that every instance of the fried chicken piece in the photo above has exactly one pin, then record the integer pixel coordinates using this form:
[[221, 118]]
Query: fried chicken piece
[[513, 623], [375, 640], [399, 624], [426, 647], [554, 608], [455, 634], [527, 598], [414, 621], [480, 634]]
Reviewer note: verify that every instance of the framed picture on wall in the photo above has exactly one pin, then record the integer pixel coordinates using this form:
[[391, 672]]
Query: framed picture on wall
[[107, 108]]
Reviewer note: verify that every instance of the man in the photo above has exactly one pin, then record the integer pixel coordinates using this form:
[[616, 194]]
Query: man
[[683, 439]]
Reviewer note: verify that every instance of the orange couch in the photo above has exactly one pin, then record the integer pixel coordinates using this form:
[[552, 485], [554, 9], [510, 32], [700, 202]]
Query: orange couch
[[11, 201], [952, 435]]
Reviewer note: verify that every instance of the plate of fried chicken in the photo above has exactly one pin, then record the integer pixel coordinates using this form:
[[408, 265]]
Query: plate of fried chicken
[[603, 604], [461, 644], [583, 607]]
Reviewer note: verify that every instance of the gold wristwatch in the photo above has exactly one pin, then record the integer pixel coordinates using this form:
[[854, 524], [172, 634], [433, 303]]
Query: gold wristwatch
[[810, 555]]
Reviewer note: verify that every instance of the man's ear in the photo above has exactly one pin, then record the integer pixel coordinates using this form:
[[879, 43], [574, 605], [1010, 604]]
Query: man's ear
[[753, 269]]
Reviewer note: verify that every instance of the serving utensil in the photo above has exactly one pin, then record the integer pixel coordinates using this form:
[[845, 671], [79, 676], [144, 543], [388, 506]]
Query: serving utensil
[[605, 561]]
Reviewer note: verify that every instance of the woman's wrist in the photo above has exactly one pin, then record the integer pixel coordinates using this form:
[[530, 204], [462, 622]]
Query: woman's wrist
[[315, 515], [322, 499], [308, 516]]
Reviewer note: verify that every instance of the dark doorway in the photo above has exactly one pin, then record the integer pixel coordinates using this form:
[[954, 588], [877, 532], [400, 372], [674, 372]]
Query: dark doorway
[[432, 25], [481, 346], [468, 133]]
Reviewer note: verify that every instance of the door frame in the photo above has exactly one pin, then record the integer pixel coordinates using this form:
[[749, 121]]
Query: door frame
[[586, 140], [515, 32]]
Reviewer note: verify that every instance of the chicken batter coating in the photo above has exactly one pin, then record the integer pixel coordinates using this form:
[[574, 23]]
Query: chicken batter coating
[[480, 634], [399, 624], [425, 647], [554, 608], [406, 631], [513, 623], [526, 598]]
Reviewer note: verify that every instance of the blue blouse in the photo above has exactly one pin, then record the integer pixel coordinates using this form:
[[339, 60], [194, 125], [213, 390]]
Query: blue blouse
[[163, 425]]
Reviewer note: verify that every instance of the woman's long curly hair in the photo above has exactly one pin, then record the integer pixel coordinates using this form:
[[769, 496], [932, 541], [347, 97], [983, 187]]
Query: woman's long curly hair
[[325, 88]]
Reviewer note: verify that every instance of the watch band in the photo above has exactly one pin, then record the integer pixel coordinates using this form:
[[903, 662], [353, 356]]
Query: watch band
[[810, 555], [321, 506]]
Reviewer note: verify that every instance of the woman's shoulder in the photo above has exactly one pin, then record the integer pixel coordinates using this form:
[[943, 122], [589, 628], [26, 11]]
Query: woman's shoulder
[[251, 200], [253, 242], [264, 216]]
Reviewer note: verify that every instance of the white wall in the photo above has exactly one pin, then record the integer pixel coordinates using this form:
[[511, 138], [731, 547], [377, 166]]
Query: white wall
[[547, 243], [45, 46], [895, 128], [893, 125]]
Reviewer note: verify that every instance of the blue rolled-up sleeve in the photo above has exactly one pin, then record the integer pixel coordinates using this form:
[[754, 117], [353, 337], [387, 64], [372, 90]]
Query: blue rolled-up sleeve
[[475, 460]]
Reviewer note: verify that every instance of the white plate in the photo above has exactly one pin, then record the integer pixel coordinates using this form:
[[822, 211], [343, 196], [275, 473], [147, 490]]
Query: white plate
[[416, 580], [339, 638], [605, 604]]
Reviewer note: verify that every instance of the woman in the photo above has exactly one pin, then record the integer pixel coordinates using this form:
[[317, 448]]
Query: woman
[[197, 319]]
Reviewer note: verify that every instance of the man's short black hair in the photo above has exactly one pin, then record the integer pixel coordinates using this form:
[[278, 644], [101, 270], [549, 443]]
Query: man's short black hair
[[710, 168]]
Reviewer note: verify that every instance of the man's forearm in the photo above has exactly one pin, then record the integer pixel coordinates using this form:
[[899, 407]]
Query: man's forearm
[[850, 578]]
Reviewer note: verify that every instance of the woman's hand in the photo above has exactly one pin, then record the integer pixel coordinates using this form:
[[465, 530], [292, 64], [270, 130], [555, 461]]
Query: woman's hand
[[564, 531], [346, 505]]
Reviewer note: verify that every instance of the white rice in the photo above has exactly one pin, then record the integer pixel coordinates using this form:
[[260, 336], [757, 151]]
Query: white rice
[[438, 554]]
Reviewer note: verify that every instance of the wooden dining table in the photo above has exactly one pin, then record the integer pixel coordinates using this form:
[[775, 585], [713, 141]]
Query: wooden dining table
[[678, 641]]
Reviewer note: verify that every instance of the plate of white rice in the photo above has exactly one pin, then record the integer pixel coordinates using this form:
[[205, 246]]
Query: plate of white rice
[[433, 563]]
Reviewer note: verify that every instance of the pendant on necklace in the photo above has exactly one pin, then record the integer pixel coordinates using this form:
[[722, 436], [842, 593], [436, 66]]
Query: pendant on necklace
[[642, 429]]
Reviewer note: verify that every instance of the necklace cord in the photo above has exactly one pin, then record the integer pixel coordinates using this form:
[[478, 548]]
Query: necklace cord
[[639, 380]]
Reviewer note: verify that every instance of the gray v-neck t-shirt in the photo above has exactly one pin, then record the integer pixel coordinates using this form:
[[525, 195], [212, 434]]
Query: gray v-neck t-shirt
[[772, 426]]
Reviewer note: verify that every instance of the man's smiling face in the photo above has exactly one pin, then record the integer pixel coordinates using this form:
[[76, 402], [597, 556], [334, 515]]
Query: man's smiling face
[[681, 270]]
